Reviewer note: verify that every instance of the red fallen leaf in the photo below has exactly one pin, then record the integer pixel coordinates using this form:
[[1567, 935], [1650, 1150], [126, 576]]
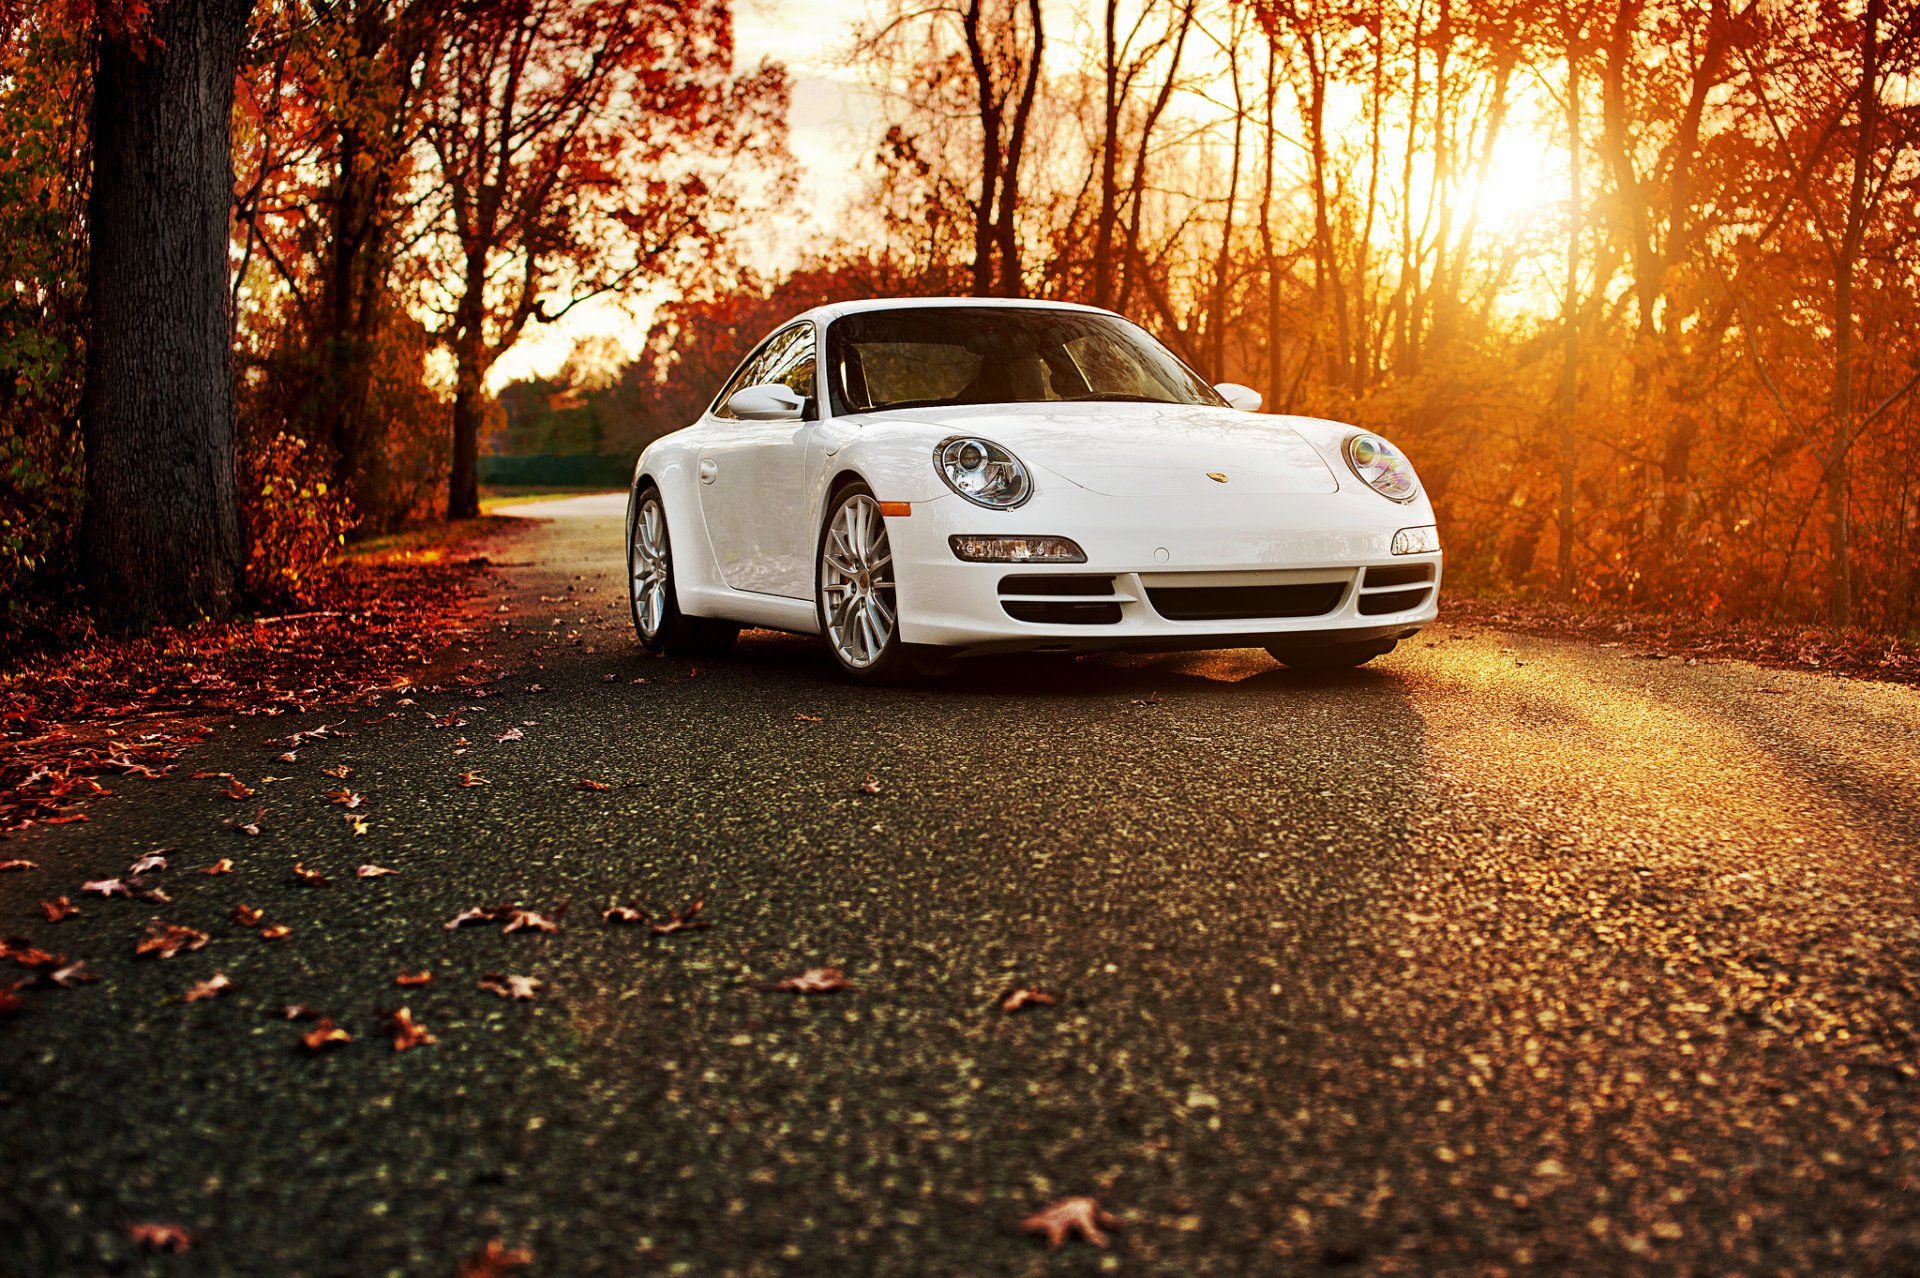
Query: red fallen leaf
[[58, 908], [808, 718], [421, 977], [246, 827], [72, 974], [345, 798], [164, 940], [609, 678], [154, 894], [373, 871], [511, 734], [236, 791], [624, 914], [451, 719], [479, 914], [200, 991], [468, 780], [585, 783], [173, 1238], [356, 824], [323, 1035], [536, 688], [407, 1032], [107, 887], [246, 916], [1014, 1000], [296, 1012], [276, 932], [10, 1000], [27, 954], [871, 785], [493, 1261], [208, 776], [815, 980], [528, 921], [81, 816], [340, 771], [516, 987], [222, 866], [1062, 1217], [312, 878], [151, 861], [288, 757], [19, 865]]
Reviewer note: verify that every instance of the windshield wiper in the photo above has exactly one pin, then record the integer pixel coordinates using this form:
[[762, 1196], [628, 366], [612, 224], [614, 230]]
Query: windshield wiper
[[1114, 397]]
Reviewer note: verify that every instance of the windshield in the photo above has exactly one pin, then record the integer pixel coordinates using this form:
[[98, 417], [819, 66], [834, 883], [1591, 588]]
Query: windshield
[[943, 356]]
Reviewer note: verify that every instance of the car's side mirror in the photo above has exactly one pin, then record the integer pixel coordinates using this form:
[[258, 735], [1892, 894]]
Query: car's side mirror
[[769, 403], [1244, 398]]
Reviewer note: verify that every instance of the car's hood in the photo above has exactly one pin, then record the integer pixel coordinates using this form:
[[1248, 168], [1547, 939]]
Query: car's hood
[[1145, 450]]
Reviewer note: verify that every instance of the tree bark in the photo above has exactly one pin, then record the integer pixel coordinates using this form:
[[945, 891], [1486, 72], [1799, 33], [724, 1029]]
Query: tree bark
[[161, 534]]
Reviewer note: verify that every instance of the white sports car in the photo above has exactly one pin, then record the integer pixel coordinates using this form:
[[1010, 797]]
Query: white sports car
[[920, 480]]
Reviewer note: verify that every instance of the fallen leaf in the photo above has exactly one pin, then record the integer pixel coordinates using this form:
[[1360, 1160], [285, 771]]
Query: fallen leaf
[[468, 780], [295, 1012], [1079, 1214], [222, 866], [236, 791], [72, 974], [528, 921], [312, 878], [511, 734], [27, 954], [17, 864], [1151, 699], [871, 785], [164, 940], [345, 798], [356, 824], [494, 1260], [58, 908], [517, 987], [815, 980], [536, 688], [479, 914], [1014, 1000], [107, 887], [150, 862], [451, 719], [275, 932], [245, 915], [338, 771], [624, 914], [586, 784], [246, 827], [323, 1035], [201, 991], [808, 718], [288, 757], [421, 977], [174, 1238], [10, 1000], [407, 1032], [373, 871]]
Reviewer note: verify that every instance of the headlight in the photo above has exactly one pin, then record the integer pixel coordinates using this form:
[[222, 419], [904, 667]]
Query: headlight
[[982, 472], [1381, 467]]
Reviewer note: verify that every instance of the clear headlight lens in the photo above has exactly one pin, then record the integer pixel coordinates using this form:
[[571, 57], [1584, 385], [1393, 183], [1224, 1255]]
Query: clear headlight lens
[[978, 549], [1381, 466], [1416, 541], [982, 472]]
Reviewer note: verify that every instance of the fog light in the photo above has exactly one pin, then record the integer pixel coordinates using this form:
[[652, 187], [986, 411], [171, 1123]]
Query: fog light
[[1016, 550], [1416, 541]]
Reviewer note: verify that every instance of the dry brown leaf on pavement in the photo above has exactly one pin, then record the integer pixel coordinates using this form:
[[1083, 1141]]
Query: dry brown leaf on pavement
[[246, 915], [154, 860], [356, 824], [421, 977], [58, 908], [468, 780], [27, 954], [107, 887], [529, 921], [18, 864], [373, 871], [587, 783], [815, 980], [311, 878], [511, 734], [164, 940], [407, 1032], [1065, 1216], [1014, 1000], [246, 827], [516, 987], [72, 974], [158, 1237], [10, 1000], [323, 1035], [200, 991], [237, 791], [871, 785], [345, 798], [223, 866], [494, 1260], [479, 914], [339, 771], [276, 932]]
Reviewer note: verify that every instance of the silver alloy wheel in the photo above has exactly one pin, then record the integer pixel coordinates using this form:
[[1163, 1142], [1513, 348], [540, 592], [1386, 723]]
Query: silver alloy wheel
[[650, 566], [856, 582]]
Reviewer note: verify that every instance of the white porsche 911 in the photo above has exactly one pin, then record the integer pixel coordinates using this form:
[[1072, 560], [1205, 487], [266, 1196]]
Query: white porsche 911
[[920, 480]]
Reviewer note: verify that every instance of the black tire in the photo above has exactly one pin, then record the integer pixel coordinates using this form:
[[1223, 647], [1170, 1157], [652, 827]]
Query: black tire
[[858, 589], [1331, 656], [671, 632]]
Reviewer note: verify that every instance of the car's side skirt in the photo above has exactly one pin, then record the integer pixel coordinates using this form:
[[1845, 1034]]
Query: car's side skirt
[[774, 612]]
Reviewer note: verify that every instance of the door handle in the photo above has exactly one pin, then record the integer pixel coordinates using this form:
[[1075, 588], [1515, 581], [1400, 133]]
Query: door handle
[[708, 469]]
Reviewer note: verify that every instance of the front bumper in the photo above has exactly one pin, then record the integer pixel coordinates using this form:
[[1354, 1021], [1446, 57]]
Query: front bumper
[[1316, 547]]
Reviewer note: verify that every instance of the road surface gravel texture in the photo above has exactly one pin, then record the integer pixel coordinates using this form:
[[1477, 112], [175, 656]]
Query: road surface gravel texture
[[1501, 955]]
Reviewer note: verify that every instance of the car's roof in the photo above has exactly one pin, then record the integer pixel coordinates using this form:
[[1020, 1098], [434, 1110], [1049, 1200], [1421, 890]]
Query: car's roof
[[834, 310]]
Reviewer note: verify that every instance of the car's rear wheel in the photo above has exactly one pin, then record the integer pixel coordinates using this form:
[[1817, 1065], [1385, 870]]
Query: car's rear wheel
[[657, 618], [854, 592], [1331, 656]]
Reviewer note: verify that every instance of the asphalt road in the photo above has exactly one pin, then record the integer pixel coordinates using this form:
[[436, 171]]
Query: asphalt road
[[1501, 955]]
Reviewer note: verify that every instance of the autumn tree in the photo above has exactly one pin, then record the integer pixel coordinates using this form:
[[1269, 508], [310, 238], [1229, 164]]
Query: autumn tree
[[584, 147]]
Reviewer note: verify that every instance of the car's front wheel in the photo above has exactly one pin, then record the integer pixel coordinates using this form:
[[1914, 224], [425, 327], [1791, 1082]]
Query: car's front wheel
[[657, 618], [854, 591], [1330, 656]]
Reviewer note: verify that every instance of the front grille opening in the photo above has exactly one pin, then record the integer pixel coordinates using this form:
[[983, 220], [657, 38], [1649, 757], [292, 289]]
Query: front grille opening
[[1056, 584], [1235, 603], [1064, 613], [1393, 601], [1399, 575]]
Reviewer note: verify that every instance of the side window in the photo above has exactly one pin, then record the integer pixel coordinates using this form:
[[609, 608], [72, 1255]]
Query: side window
[[785, 359]]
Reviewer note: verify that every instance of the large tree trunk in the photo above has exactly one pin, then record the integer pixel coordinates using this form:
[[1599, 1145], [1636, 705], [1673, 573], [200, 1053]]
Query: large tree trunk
[[161, 537]]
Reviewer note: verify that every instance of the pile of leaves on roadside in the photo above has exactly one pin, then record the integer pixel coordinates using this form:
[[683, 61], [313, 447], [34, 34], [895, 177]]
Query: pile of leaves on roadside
[[1855, 653], [75, 719]]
